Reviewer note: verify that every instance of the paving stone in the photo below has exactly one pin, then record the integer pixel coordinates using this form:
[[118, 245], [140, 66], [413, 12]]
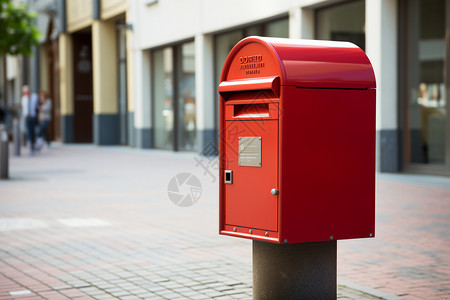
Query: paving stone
[[200, 297], [120, 293], [104, 297], [212, 293], [130, 297]]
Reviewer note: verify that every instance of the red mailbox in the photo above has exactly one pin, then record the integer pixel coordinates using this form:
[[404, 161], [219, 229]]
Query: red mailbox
[[297, 141]]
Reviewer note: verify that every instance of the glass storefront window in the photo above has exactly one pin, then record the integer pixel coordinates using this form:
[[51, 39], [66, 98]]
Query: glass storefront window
[[278, 28], [163, 109], [174, 110], [342, 22], [186, 98], [251, 30], [426, 110]]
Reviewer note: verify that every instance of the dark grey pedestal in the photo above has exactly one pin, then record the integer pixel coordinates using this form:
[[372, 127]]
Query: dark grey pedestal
[[294, 271]]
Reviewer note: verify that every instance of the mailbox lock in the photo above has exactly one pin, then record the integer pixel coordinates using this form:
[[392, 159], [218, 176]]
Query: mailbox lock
[[274, 191]]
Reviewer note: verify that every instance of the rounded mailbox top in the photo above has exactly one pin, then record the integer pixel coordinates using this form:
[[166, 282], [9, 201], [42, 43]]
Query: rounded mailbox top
[[302, 63]]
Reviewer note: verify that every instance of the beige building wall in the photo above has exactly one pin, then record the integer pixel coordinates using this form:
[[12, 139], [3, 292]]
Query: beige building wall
[[112, 8], [79, 14], [44, 75], [104, 58], [66, 73]]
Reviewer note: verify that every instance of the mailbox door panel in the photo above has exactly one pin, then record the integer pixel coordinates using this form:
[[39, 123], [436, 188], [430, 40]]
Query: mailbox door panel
[[249, 202]]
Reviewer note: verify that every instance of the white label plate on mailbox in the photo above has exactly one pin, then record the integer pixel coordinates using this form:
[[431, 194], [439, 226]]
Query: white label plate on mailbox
[[250, 151]]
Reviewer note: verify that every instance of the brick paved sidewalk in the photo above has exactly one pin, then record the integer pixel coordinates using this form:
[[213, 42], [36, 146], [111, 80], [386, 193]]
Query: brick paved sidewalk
[[96, 223], [410, 256]]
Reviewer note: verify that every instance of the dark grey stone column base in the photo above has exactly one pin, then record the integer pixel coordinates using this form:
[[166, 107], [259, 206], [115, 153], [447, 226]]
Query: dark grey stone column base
[[106, 129], [207, 142], [67, 128], [131, 130], [4, 156], [389, 154], [295, 271], [418, 151], [143, 138]]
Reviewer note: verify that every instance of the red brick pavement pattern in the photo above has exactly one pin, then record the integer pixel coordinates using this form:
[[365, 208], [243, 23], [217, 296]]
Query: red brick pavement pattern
[[410, 256]]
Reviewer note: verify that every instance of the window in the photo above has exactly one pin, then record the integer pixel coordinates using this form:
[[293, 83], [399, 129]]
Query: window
[[186, 98], [174, 110], [279, 28], [163, 107], [427, 107], [342, 22]]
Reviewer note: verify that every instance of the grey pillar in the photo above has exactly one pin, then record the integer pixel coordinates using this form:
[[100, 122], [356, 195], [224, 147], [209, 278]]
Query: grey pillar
[[17, 136], [35, 71], [4, 157], [106, 129], [294, 271]]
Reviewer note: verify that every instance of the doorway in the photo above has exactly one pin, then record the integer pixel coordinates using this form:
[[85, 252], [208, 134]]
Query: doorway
[[82, 88]]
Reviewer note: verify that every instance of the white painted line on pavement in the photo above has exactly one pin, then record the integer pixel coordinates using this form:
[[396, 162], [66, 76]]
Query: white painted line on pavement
[[9, 224], [369, 290], [83, 222], [18, 293]]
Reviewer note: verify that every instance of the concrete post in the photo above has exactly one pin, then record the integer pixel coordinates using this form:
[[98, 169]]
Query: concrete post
[[4, 157], [295, 271], [17, 136]]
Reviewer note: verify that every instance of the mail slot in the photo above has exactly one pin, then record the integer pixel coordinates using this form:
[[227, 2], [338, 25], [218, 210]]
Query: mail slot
[[297, 141]]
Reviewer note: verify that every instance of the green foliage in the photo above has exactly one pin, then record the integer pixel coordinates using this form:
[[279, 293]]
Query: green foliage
[[18, 35]]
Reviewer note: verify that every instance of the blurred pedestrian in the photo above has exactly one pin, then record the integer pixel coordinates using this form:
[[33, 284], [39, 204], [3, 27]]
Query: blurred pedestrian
[[45, 116], [30, 107]]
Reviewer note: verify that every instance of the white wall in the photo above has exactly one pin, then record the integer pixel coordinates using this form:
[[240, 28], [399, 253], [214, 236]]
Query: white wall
[[204, 81], [381, 48], [142, 82], [168, 21]]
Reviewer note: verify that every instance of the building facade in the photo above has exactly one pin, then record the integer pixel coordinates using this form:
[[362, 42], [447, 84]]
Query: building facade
[[145, 73], [96, 97]]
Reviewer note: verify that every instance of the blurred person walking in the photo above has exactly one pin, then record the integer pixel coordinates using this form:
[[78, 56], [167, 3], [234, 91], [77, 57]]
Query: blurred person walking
[[45, 116], [30, 107]]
